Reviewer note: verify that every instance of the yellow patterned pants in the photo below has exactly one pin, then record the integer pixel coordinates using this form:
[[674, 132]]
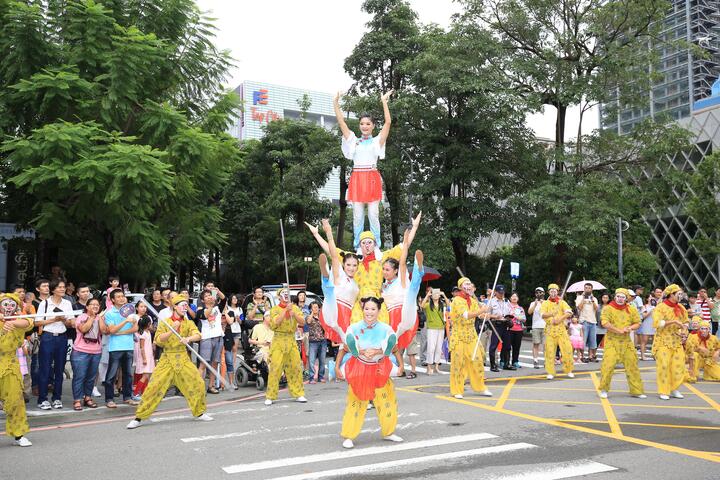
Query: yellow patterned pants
[[284, 357], [11, 393], [670, 368], [174, 369], [566, 353], [385, 405], [621, 352], [463, 366], [711, 370]]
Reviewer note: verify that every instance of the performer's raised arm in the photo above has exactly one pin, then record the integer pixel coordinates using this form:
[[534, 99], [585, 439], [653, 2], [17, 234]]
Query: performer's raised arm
[[402, 268], [414, 229], [332, 250], [340, 118], [388, 120], [321, 241]]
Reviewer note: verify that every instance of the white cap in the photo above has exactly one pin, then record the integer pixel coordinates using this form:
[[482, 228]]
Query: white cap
[[632, 293]]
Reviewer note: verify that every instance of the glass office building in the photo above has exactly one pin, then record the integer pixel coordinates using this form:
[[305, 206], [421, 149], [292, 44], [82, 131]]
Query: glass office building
[[685, 77], [264, 102]]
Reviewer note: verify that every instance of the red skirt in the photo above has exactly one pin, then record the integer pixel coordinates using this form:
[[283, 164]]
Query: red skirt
[[364, 378], [344, 316], [406, 338], [365, 186]]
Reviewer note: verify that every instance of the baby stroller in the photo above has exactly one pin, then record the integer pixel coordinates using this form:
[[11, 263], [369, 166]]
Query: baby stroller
[[252, 368]]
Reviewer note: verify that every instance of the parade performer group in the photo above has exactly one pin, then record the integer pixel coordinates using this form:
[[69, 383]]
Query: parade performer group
[[670, 320], [367, 366]]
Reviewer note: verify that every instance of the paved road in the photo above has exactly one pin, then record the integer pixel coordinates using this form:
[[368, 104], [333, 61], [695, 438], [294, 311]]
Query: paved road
[[531, 429]]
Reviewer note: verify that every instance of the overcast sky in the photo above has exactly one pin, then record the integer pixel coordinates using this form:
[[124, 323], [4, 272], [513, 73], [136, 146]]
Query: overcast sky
[[304, 44]]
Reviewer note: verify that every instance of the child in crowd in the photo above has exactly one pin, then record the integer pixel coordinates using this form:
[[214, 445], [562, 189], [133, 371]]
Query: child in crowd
[[114, 283], [143, 355], [576, 338]]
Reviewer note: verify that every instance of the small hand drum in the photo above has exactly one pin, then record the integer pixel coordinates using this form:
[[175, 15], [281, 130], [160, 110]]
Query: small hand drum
[[127, 310]]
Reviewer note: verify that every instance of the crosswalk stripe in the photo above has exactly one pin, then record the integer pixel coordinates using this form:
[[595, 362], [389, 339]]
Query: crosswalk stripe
[[340, 455], [399, 427], [555, 472], [408, 461]]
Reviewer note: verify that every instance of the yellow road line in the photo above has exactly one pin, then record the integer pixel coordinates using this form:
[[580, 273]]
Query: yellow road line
[[640, 424], [700, 394], [580, 428], [505, 394], [609, 413], [526, 400]]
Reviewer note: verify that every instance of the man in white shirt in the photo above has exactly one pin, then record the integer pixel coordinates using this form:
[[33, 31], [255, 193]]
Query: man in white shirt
[[499, 309], [538, 325], [587, 306], [211, 331], [53, 343]]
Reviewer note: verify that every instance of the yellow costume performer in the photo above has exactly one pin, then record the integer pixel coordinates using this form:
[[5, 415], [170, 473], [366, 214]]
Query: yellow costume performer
[[670, 320], [12, 334], [704, 349], [555, 311], [284, 354], [464, 309], [174, 368], [620, 319], [369, 276]]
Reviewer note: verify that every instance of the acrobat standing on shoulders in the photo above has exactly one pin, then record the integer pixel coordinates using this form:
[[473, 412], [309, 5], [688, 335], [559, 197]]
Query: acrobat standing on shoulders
[[365, 185]]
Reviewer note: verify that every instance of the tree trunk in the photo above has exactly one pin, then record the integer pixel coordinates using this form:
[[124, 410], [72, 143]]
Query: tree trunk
[[182, 277], [217, 266], [343, 205], [560, 136], [110, 253], [460, 252], [191, 280], [210, 264], [559, 264]]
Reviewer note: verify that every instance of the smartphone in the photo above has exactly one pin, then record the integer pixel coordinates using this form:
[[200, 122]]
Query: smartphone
[[435, 292]]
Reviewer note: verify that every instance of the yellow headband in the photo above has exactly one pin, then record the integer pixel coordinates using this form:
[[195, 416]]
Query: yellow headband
[[178, 299], [671, 289], [12, 296], [367, 235], [696, 318], [622, 291], [553, 285], [704, 324], [462, 280]]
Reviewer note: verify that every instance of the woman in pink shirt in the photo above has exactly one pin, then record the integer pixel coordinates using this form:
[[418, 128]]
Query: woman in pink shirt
[[516, 330], [86, 353]]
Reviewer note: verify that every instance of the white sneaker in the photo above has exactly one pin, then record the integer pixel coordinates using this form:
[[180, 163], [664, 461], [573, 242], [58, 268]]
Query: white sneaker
[[676, 394], [486, 393], [392, 438], [45, 405], [57, 404], [571, 375], [370, 406], [549, 377], [642, 395], [603, 394], [664, 397], [204, 418], [458, 396], [347, 443], [96, 392], [268, 402], [301, 399], [133, 424], [23, 442]]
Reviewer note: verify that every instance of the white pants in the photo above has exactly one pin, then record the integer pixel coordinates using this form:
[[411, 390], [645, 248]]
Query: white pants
[[434, 345], [373, 210]]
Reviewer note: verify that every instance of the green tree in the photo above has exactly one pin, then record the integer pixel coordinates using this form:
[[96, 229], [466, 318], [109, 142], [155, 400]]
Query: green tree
[[114, 116], [703, 185], [278, 178]]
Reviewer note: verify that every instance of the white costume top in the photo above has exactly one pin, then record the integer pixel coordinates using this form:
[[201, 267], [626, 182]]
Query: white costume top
[[394, 294], [363, 153], [346, 289]]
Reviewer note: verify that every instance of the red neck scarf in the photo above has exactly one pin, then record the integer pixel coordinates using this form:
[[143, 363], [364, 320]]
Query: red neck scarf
[[176, 318], [466, 297], [677, 308], [367, 259], [554, 299], [616, 306]]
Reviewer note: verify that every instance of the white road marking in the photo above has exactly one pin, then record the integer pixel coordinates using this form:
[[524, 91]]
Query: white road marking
[[383, 466], [280, 429], [345, 454], [563, 470], [404, 426]]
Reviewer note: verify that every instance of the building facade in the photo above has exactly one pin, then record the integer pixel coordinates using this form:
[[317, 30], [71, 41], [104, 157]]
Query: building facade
[[685, 77], [265, 102]]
